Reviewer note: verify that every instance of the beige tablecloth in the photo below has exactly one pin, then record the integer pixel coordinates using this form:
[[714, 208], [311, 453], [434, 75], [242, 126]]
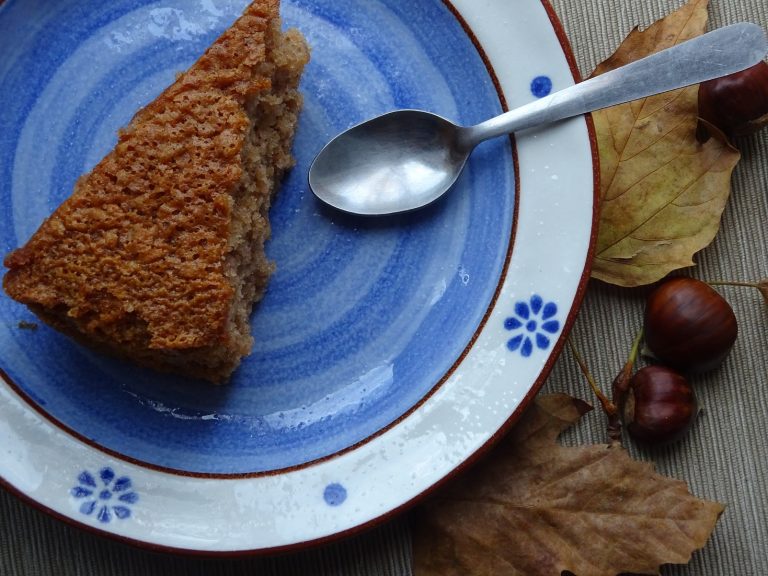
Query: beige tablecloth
[[725, 458]]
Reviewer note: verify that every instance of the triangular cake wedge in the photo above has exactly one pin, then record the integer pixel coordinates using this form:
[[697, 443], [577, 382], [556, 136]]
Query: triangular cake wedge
[[158, 255]]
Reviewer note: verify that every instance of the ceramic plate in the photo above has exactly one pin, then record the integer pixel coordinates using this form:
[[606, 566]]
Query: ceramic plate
[[389, 352]]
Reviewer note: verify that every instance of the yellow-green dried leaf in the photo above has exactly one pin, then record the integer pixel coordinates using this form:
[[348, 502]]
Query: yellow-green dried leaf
[[536, 508], [663, 192]]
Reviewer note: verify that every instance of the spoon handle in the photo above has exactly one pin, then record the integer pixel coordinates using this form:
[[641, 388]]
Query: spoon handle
[[719, 53]]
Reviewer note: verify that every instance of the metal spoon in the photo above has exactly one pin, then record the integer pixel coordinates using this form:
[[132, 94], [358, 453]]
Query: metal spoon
[[406, 159]]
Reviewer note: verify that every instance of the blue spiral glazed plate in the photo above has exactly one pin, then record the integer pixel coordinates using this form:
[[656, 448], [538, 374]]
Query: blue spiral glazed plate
[[389, 352]]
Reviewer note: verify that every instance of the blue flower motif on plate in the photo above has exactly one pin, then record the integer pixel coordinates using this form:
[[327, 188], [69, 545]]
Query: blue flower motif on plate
[[105, 495], [534, 323]]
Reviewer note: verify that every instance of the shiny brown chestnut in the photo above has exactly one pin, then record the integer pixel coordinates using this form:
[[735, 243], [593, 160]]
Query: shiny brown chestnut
[[660, 406], [737, 104], [688, 325]]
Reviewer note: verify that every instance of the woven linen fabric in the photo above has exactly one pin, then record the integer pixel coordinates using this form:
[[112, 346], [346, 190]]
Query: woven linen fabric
[[725, 458]]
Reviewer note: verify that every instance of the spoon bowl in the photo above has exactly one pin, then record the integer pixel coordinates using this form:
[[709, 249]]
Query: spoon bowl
[[406, 159], [396, 162]]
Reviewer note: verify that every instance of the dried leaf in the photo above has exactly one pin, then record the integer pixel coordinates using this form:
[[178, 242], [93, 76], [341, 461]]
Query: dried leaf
[[663, 192], [534, 507]]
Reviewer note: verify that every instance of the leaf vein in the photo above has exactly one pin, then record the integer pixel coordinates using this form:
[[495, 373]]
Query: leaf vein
[[662, 208], [677, 95], [648, 175], [659, 139]]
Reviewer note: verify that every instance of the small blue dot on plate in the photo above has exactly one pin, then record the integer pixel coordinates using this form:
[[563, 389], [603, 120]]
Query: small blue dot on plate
[[335, 494], [541, 86]]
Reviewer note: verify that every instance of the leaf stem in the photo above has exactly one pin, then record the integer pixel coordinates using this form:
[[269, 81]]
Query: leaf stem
[[621, 382], [732, 283], [760, 285], [614, 425], [620, 386]]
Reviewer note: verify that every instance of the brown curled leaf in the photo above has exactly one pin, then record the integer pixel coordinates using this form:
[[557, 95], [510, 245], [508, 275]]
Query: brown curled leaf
[[536, 508]]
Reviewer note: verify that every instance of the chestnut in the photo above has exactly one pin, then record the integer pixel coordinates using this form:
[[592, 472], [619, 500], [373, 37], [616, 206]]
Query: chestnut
[[688, 325], [737, 104], [660, 406]]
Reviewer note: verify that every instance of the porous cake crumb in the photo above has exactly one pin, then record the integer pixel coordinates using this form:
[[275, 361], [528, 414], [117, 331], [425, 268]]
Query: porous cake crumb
[[158, 255]]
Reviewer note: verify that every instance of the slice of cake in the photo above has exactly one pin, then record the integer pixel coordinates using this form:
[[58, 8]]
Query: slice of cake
[[158, 255]]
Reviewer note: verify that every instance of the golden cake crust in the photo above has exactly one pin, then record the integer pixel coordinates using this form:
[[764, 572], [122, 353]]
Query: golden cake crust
[[135, 259]]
